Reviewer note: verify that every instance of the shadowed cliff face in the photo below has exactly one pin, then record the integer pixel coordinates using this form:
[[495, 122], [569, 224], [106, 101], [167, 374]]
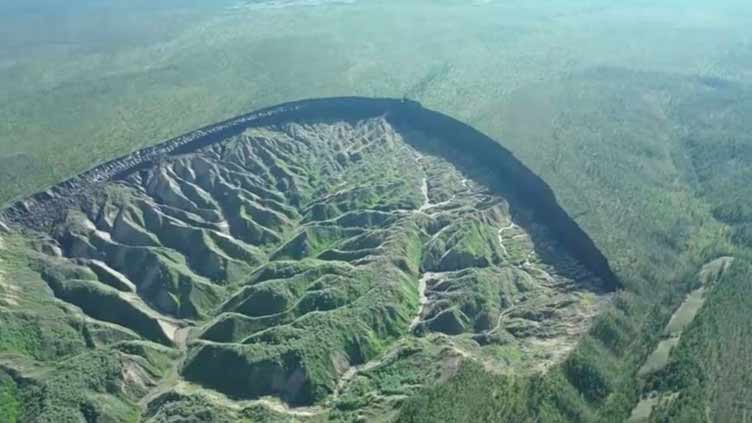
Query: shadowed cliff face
[[284, 252], [514, 180], [43, 209]]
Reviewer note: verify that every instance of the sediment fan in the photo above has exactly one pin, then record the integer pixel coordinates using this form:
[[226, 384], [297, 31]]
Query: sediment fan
[[288, 251]]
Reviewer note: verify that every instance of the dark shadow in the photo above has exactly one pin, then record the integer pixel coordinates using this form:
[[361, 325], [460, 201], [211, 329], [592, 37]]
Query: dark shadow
[[532, 199]]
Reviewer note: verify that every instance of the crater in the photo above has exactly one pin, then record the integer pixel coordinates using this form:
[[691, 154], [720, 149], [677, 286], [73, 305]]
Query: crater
[[302, 242]]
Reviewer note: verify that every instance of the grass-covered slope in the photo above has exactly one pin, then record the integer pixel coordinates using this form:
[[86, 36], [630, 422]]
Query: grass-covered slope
[[58, 365]]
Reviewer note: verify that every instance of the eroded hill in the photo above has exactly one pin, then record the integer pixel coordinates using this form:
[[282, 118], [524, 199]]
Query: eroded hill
[[325, 262]]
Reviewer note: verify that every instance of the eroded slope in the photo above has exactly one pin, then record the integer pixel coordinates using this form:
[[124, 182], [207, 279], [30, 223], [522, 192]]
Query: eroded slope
[[306, 260]]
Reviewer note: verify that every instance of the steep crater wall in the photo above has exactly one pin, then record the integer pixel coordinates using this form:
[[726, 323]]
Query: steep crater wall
[[43, 210]]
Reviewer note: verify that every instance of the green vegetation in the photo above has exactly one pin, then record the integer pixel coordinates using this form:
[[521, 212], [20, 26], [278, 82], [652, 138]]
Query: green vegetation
[[48, 368], [674, 241], [706, 371], [480, 396], [634, 113], [350, 255], [718, 335], [9, 404], [106, 91]]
